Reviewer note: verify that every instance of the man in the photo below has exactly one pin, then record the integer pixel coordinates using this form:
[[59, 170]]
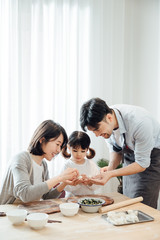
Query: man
[[133, 137]]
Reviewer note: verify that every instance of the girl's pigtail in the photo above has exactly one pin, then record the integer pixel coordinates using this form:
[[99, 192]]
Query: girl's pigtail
[[65, 153], [91, 153]]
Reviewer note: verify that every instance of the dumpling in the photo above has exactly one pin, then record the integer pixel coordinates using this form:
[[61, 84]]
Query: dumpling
[[119, 218]]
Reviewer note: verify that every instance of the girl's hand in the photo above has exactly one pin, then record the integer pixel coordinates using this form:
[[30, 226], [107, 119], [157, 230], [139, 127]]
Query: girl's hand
[[77, 181], [81, 179], [86, 180]]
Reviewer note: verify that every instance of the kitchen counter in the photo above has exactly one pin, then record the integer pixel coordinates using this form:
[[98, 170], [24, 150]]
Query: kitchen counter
[[84, 226]]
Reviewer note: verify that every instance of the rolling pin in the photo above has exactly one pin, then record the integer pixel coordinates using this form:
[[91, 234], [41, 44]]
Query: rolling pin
[[119, 205]]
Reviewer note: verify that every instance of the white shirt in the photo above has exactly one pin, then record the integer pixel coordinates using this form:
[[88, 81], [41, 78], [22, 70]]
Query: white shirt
[[37, 172], [142, 132], [89, 168], [119, 139]]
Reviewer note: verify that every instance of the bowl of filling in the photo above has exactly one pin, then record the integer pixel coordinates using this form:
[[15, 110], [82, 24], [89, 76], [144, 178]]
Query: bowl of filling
[[91, 205]]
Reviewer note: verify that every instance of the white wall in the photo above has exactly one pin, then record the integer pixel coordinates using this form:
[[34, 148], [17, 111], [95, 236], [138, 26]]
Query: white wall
[[125, 62]]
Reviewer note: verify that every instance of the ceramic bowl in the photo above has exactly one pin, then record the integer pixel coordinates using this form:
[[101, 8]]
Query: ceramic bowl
[[17, 216], [69, 209], [37, 220], [91, 205]]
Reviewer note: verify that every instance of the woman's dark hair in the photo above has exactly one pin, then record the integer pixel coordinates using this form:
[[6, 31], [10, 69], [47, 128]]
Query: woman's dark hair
[[79, 139], [47, 130], [92, 112]]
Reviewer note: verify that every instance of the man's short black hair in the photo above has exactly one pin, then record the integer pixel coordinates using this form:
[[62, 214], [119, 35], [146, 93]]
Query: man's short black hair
[[92, 112]]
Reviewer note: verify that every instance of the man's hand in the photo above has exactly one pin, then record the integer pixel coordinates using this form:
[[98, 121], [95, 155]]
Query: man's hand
[[104, 177], [101, 179], [104, 169]]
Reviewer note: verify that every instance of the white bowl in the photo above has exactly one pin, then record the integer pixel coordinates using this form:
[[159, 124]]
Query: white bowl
[[91, 208], [37, 220], [17, 216], [69, 209]]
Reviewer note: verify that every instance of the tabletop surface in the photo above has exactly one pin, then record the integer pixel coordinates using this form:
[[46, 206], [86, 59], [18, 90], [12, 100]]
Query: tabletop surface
[[84, 226]]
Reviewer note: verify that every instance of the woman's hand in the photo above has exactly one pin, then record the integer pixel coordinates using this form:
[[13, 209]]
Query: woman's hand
[[69, 174]]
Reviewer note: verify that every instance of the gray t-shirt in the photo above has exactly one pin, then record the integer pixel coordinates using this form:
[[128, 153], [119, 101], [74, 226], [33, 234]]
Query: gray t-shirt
[[18, 182], [142, 131]]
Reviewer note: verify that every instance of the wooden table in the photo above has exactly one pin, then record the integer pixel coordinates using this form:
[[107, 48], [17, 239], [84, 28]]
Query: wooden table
[[84, 226]]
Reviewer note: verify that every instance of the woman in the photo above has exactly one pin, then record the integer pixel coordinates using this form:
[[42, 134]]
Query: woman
[[27, 177]]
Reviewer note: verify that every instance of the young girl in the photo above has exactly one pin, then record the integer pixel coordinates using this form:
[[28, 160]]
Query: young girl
[[78, 145], [27, 177]]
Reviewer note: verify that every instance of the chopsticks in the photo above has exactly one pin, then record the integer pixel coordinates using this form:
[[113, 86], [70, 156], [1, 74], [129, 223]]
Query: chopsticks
[[50, 221], [54, 221], [2, 214]]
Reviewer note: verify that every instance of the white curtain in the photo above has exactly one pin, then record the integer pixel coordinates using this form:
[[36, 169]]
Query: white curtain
[[44, 62], [56, 54]]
